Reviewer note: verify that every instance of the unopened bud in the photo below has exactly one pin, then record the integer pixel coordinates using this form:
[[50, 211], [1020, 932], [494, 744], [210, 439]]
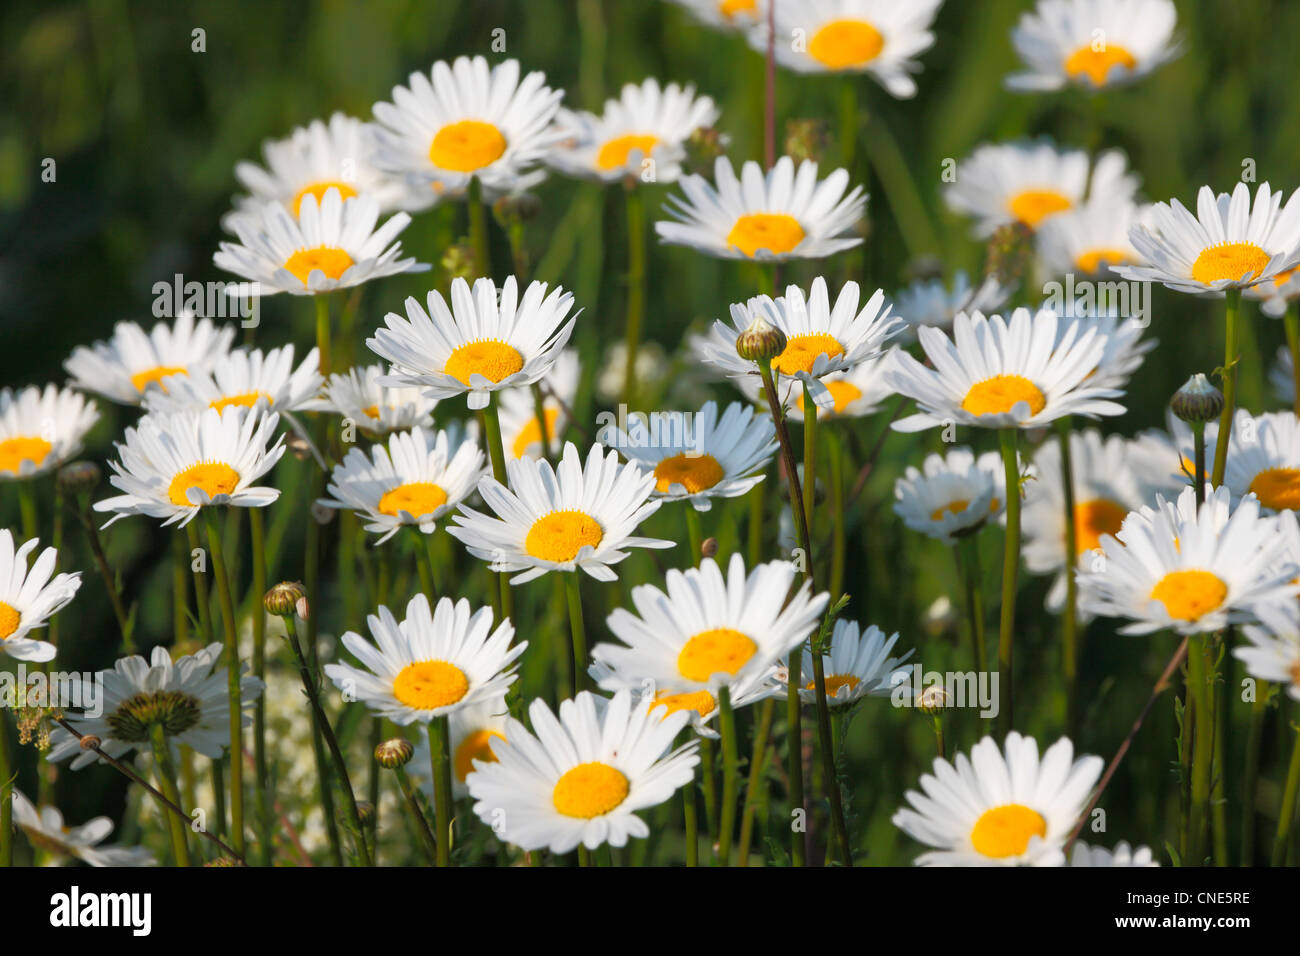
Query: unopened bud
[[1197, 401], [933, 699], [282, 600], [78, 477], [298, 446], [366, 811], [709, 548], [761, 342], [394, 753]]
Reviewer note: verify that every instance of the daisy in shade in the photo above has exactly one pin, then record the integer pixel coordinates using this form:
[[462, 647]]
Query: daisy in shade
[[1106, 489], [474, 730], [1030, 182], [416, 480], [172, 466], [134, 360], [999, 374], [727, 14], [357, 396], [1000, 809], [1087, 240], [1272, 651], [561, 519], [855, 393], [331, 245], [1277, 296], [188, 698], [45, 830], [879, 37], [40, 429], [1122, 855], [485, 341], [1264, 459], [580, 779], [430, 664], [29, 597], [701, 456], [646, 122], [521, 432], [773, 217], [243, 378], [859, 665], [820, 338], [1093, 44], [932, 302], [951, 495], [1229, 244], [467, 120], [1192, 571]]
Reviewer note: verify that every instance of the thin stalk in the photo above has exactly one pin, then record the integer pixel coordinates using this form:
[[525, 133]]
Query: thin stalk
[[440, 755], [1198, 449], [1232, 317], [106, 573], [1286, 815], [754, 531], [491, 421], [166, 773], [323, 330], [1070, 617], [694, 534], [261, 763], [809, 460], [690, 825], [7, 776], [420, 824], [937, 722], [579, 631], [424, 564], [1010, 569], [968, 564], [1199, 688], [216, 548], [708, 786], [769, 91], [839, 536], [27, 508], [730, 774], [636, 286], [757, 761], [478, 228], [1250, 779], [1292, 322]]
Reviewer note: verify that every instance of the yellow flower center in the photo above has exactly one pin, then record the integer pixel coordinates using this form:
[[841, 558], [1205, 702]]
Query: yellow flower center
[[1094, 518], [492, 359], [1096, 64], [589, 790], [214, 477], [531, 433], [467, 146], [835, 681], [416, 498], [1034, 205], [1229, 260], [801, 352], [614, 154], [9, 620], [729, 8], [700, 701], [15, 451], [154, 376], [1282, 278], [1005, 831], [371, 412], [247, 400], [475, 746], [327, 259], [560, 535], [775, 232], [428, 685], [1001, 393], [319, 190], [843, 394], [955, 507], [1278, 488], [1188, 595], [1094, 260], [718, 651], [694, 472], [845, 43]]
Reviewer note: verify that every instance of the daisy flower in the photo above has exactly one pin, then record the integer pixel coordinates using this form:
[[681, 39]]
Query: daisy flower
[[773, 217], [1089, 239], [189, 698], [1275, 297], [29, 597], [727, 14], [644, 123], [1264, 459], [1192, 571], [1164, 458], [485, 341], [951, 495], [474, 730], [698, 457], [1093, 44], [580, 779], [133, 360], [415, 481], [244, 378], [859, 665], [1229, 244], [357, 396], [431, 663], [521, 433], [854, 393], [40, 429], [171, 466], [561, 519], [700, 705], [1122, 855], [1030, 182], [879, 37], [467, 120], [1125, 350], [1000, 809], [1272, 652], [932, 302], [999, 374], [45, 830]]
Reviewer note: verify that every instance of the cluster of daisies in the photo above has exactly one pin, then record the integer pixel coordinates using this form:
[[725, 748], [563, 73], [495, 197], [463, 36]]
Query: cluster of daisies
[[463, 421]]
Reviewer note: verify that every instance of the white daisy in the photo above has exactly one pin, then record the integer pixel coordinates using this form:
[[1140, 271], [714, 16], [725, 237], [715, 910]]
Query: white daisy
[[1092, 43], [1165, 457], [1089, 239], [330, 245], [473, 731], [415, 481], [357, 396], [644, 123], [999, 374], [783, 214], [1122, 855], [931, 302], [1228, 244], [1029, 182], [521, 432], [854, 393], [859, 665], [484, 342], [431, 663], [880, 37], [29, 597], [244, 378], [189, 698], [1264, 459], [561, 519], [45, 830], [1190, 571], [1125, 350], [951, 495], [172, 466], [1273, 651], [727, 14], [133, 360], [582, 777], [700, 705], [40, 429], [1275, 297], [1000, 810], [465, 120]]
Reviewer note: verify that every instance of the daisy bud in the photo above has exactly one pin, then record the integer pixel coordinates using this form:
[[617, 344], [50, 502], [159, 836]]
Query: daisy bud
[[282, 600], [933, 699], [78, 477], [366, 811], [1197, 401], [394, 753], [806, 139], [297, 446], [1009, 251], [709, 548], [761, 342]]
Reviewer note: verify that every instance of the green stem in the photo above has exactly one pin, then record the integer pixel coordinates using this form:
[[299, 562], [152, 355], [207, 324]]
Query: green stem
[[1010, 568], [261, 762], [323, 330], [1070, 617], [1232, 315], [708, 786], [1292, 322], [491, 421], [581, 679], [754, 531], [440, 755], [1286, 815], [106, 573], [690, 825], [809, 461], [968, 561], [418, 821], [166, 774], [478, 229], [7, 776], [636, 287], [27, 507], [424, 564], [730, 774], [757, 762], [1200, 688], [1250, 779], [694, 535], [839, 537], [224, 599]]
